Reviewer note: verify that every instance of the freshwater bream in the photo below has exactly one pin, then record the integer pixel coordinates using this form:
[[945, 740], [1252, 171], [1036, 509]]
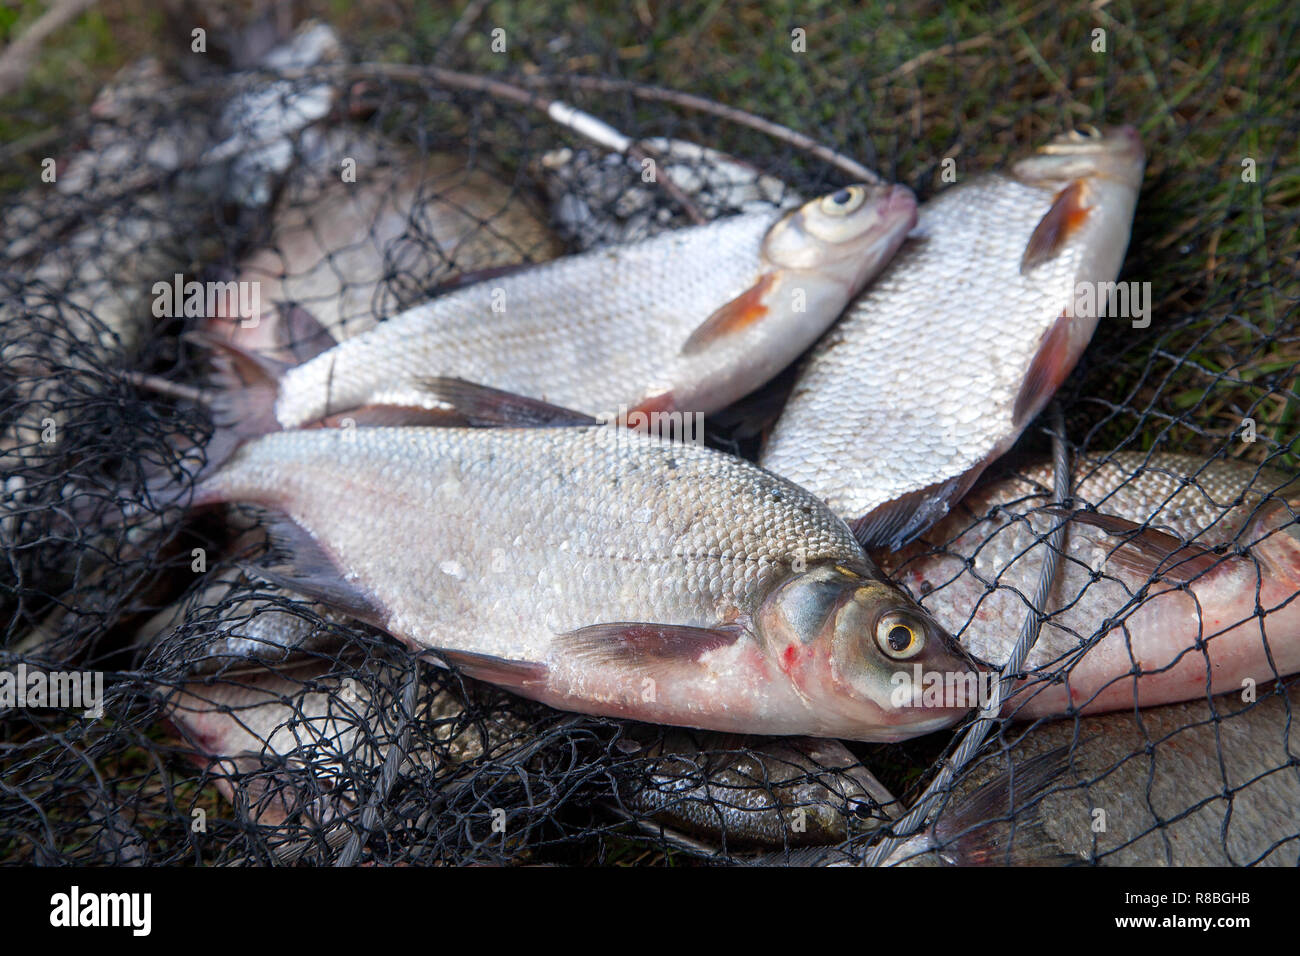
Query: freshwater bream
[[1165, 561], [689, 320], [1203, 783], [600, 570], [792, 791], [350, 254], [938, 367]]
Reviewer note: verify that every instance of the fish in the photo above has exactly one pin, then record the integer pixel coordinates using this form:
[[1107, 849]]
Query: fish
[[229, 621], [599, 570], [352, 253], [124, 213], [290, 743], [1201, 783], [684, 322], [1165, 557], [747, 792], [107, 267], [600, 199], [937, 368]]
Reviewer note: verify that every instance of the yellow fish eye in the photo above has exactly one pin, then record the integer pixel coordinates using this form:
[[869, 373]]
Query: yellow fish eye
[[898, 637], [843, 202]]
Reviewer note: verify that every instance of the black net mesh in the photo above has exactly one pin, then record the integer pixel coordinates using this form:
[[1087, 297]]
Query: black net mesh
[[243, 724]]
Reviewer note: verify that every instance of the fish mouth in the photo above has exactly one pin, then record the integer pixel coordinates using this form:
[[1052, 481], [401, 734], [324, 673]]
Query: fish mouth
[[897, 206], [896, 212], [1114, 153], [898, 732]]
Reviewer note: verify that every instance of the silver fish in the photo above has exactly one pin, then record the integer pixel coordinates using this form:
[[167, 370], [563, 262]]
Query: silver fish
[[604, 199], [1202, 783], [987, 293], [352, 253], [1166, 558], [793, 792], [294, 740], [600, 570], [228, 623], [687, 321]]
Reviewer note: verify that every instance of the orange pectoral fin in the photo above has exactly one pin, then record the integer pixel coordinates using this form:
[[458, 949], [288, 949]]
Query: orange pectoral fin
[[1069, 211], [738, 314]]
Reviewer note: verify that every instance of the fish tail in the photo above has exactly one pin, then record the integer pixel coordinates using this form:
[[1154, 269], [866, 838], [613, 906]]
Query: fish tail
[[245, 386], [999, 823]]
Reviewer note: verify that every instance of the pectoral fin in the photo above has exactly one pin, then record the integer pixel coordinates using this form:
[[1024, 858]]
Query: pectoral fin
[[737, 315], [638, 645], [1069, 211]]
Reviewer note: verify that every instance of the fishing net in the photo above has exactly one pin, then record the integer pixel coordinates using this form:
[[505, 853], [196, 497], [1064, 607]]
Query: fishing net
[[242, 724]]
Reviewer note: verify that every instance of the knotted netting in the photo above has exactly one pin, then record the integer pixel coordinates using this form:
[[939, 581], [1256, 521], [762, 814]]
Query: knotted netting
[[242, 723]]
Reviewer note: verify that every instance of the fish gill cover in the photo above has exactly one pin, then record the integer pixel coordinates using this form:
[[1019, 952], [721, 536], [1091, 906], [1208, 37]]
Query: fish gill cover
[[240, 723]]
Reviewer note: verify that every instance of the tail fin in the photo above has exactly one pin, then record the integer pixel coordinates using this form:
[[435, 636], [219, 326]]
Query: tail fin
[[245, 388], [999, 823]]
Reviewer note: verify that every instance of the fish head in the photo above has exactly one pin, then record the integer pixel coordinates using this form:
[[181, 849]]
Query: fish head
[[1114, 155], [848, 235], [858, 649]]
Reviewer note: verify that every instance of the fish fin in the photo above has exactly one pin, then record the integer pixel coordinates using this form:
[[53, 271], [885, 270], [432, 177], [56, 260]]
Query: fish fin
[[1145, 550], [484, 407], [1069, 211], [300, 334], [237, 364], [638, 644], [660, 402], [898, 522], [243, 405], [999, 823], [475, 276], [738, 314], [306, 567], [513, 675], [1047, 371]]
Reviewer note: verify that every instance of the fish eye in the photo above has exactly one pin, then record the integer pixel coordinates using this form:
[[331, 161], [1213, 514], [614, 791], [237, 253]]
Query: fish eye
[[844, 201], [900, 636]]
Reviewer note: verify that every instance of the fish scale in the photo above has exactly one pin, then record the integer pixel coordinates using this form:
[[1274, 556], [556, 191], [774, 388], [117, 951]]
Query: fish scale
[[656, 528], [596, 351], [613, 328], [920, 382], [1202, 783], [974, 569], [574, 564]]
